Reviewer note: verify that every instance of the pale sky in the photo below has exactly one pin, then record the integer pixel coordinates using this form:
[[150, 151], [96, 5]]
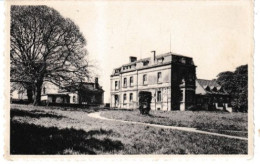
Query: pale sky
[[218, 35]]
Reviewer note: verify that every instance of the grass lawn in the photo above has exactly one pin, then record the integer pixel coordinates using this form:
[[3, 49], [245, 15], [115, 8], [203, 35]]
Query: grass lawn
[[53, 130], [213, 121]]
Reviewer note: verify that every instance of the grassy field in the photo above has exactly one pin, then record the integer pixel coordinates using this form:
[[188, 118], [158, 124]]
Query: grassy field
[[53, 130], [213, 121]]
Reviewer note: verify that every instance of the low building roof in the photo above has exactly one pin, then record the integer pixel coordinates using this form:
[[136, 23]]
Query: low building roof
[[209, 87]]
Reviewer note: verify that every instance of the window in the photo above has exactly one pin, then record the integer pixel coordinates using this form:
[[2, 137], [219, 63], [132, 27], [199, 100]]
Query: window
[[74, 98], [159, 77], [131, 97], [44, 90], [116, 85], [131, 81], [145, 79], [125, 82], [116, 100], [159, 96], [124, 99]]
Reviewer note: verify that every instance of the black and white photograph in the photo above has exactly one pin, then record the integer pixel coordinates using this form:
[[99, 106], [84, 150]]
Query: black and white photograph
[[129, 78]]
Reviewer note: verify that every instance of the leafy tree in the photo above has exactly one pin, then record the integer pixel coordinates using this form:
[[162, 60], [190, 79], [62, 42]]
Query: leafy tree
[[236, 84], [45, 47]]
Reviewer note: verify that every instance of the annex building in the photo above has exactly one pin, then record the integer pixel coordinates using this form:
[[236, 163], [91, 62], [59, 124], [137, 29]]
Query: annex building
[[170, 78], [81, 93]]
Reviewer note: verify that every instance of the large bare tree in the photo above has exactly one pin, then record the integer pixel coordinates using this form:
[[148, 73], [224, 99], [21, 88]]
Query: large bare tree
[[45, 47]]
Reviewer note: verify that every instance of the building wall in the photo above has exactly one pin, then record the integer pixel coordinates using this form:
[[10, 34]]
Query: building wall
[[19, 94], [152, 85], [183, 86], [174, 91]]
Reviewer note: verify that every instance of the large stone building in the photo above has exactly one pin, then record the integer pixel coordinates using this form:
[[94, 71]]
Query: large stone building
[[169, 77]]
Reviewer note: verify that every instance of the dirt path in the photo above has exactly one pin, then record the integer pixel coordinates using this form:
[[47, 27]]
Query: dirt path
[[97, 116]]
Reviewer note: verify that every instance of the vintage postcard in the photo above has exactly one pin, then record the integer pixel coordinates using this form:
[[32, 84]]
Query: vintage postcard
[[156, 79]]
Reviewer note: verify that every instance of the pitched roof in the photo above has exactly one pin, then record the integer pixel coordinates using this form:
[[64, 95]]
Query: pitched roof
[[93, 87], [210, 83], [211, 87]]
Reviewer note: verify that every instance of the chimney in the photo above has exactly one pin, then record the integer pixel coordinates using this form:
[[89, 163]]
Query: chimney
[[96, 82], [132, 59], [153, 57]]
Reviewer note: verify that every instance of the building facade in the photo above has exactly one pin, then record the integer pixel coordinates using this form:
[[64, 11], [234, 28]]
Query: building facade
[[169, 77]]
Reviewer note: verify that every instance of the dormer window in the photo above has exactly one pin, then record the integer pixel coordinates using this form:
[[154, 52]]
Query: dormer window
[[160, 60], [117, 71], [145, 63]]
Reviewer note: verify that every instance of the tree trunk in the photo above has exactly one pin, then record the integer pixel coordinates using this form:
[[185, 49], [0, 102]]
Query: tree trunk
[[37, 95], [30, 95]]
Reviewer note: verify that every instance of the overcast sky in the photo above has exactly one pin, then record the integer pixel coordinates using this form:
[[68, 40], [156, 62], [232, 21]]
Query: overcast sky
[[218, 35]]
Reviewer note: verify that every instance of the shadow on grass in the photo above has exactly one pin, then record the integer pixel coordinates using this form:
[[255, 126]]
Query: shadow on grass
[[32, 139], [149, 115], [33, 114], [154, 116]]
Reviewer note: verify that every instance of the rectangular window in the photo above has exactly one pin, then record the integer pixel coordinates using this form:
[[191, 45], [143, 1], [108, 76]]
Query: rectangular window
[[116, 85], [159, 77], [159, 96], [74, 99], [131, 97], [125, 82], [44, 90], [131, 81], [124, 99], [145, 79]]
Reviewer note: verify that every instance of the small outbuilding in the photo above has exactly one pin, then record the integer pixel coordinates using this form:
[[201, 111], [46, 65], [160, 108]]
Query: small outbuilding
[[211, 96]]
